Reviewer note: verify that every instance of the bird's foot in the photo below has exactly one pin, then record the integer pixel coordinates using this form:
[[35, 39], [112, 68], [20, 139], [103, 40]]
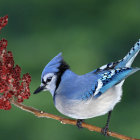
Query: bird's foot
[[79, 123], [105, 130]]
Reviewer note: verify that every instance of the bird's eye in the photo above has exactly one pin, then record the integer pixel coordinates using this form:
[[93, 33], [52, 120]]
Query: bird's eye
[[49, 79], [45, 81]]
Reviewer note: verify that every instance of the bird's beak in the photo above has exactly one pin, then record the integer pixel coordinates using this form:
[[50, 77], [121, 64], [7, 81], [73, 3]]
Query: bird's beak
[[39, 89]]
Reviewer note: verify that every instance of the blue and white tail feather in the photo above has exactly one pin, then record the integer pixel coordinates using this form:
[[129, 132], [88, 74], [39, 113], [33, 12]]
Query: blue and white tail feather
[[129, 58], [125, 62]]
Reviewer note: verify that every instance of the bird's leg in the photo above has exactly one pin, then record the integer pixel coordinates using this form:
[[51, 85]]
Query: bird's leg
[[105, 129], [79, 123]]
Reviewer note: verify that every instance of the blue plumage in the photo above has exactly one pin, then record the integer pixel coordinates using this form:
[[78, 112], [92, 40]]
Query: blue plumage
[[89, 95], [53, 65]]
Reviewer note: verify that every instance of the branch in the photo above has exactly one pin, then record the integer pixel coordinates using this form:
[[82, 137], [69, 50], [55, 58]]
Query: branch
[[39, 113]]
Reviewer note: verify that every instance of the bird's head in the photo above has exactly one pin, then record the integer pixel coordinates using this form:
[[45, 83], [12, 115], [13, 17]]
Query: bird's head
[[51, 75]]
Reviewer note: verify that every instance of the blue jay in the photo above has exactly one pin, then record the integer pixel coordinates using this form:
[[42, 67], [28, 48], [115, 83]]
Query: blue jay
[[89, 95]]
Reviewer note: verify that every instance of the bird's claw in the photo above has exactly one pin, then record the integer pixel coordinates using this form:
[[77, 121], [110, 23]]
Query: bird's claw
[[79, 123], [104, 130]]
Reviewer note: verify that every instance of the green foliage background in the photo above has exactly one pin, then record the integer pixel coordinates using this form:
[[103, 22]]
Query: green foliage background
[[90, 33]]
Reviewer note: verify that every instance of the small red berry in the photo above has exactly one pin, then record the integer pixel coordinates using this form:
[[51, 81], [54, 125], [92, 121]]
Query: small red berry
[[3, 21]]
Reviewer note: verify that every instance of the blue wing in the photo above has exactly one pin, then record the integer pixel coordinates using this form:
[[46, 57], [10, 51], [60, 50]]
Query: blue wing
[[113, 77], [107, 79]]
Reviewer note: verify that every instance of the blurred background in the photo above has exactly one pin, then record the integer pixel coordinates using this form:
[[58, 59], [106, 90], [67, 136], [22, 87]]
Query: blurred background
[[89, 33]]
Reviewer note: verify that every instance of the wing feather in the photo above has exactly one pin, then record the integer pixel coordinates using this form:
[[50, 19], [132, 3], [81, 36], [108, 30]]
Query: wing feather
[[107, 79]]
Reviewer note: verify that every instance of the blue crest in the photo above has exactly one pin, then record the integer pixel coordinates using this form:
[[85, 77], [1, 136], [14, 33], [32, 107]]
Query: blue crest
[[53, 65]]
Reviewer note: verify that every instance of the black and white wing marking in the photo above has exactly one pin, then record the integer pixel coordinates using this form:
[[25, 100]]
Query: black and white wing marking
[[107, 80], [106, 67], [113, 77]]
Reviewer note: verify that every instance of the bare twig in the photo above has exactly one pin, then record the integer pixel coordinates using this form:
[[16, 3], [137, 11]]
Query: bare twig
[[39, 113]]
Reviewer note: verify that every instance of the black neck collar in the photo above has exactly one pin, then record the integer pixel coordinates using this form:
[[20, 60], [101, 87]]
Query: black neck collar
[[62, 68]]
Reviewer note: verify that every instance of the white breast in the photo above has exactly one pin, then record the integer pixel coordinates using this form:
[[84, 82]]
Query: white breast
[[79, 109]]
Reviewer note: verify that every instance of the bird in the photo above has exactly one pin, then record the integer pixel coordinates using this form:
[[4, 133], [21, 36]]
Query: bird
[[90, 95]]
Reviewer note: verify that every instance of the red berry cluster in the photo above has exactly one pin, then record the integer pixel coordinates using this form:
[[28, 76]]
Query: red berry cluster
[[12, 87], [3, 21]]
